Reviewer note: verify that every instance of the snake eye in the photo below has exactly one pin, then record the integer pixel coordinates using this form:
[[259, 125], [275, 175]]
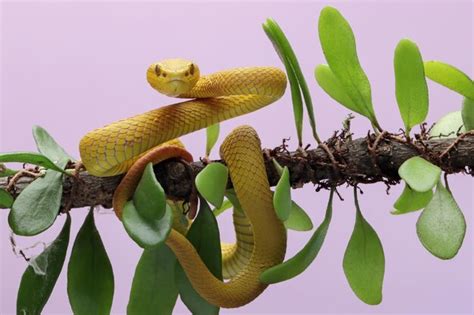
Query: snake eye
[[157, 70], [191, 68]]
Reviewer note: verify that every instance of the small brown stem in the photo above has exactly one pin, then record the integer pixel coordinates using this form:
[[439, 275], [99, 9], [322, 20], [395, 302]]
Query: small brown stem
[[18, 175], [455, 143], [372, 148]]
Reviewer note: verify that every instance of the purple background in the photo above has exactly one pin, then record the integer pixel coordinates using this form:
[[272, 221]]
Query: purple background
[[72, 67]]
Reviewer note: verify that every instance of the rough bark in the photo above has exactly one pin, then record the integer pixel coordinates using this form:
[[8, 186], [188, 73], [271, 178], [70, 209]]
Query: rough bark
[[365, 160]]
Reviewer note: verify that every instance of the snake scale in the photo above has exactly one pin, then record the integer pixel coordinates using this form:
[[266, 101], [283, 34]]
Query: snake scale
[[122, 145]]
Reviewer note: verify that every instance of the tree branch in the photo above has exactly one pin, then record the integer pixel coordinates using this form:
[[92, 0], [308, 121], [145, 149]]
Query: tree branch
[[365, 160]]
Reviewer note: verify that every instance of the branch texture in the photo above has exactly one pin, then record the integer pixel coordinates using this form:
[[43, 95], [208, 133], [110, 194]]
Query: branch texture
[[365, 160]]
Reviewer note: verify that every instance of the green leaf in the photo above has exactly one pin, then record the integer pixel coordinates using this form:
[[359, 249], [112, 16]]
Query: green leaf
[[90, 279], [285, 51], [419, 174], [149, 197], [6, 200], [277, 166], [411, 200], [30, 158], [39, 278], [49, 147], [282, 196], [339, 48], [410, 84], [450, 77], [212, 134], [364, 261], [211, 183], [448, 126], [288, 51], [298, 220], [468, 113], [441, 226], [225, 206], [146, 232], [232, 196], [204, 235], [296, 99], [37, 207], [298, 263], [154, 290], [329, 83]]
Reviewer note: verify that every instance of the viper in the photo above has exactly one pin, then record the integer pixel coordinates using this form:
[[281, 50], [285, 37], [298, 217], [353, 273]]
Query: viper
[[126, 146]]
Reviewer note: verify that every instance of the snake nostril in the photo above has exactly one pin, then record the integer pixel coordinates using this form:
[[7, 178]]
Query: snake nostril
[[164, 74], [186, 73]]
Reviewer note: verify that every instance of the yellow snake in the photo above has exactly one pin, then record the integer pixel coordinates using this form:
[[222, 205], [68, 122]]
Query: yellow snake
[[115, 148]]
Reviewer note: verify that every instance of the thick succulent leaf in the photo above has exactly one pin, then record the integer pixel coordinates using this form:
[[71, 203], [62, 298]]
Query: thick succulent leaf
[[468, 113], [232, 196], [448, 126], [280, 43], [49, 147], [441, 226], [339, 48], [39, 278], [410, 84], [298, 220], [450, 77], [277, 166], [6, 200], [287, 51], [419, 174], [154, 289], [37, 207], [204, 235], [226, 205], [364, 260], [212, 134], [298, 263], [30, 158], [149, 197], [211, 183], [329, 83], [146, 232], [411, 200], [282, 196], [90, 279]]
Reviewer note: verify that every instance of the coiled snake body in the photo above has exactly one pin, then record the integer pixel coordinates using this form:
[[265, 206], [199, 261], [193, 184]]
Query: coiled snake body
[[261, 237]]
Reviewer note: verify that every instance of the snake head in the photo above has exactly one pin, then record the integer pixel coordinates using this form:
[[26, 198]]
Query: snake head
[[173, 77]]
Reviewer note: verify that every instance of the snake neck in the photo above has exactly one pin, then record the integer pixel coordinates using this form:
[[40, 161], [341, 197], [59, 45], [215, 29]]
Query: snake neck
[[263, 81]]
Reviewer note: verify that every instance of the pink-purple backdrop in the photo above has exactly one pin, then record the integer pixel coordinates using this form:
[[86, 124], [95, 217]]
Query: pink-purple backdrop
[[71, 67]]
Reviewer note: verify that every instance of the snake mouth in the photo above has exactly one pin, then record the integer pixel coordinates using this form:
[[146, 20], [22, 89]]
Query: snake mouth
[[176, 87], [176, 80]]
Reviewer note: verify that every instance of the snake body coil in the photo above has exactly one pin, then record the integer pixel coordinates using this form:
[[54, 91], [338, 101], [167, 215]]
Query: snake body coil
[[261, 237]]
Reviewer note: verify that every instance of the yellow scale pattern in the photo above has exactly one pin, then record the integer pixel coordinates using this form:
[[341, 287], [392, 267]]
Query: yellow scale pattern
[[242, 153], [112, 150]]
